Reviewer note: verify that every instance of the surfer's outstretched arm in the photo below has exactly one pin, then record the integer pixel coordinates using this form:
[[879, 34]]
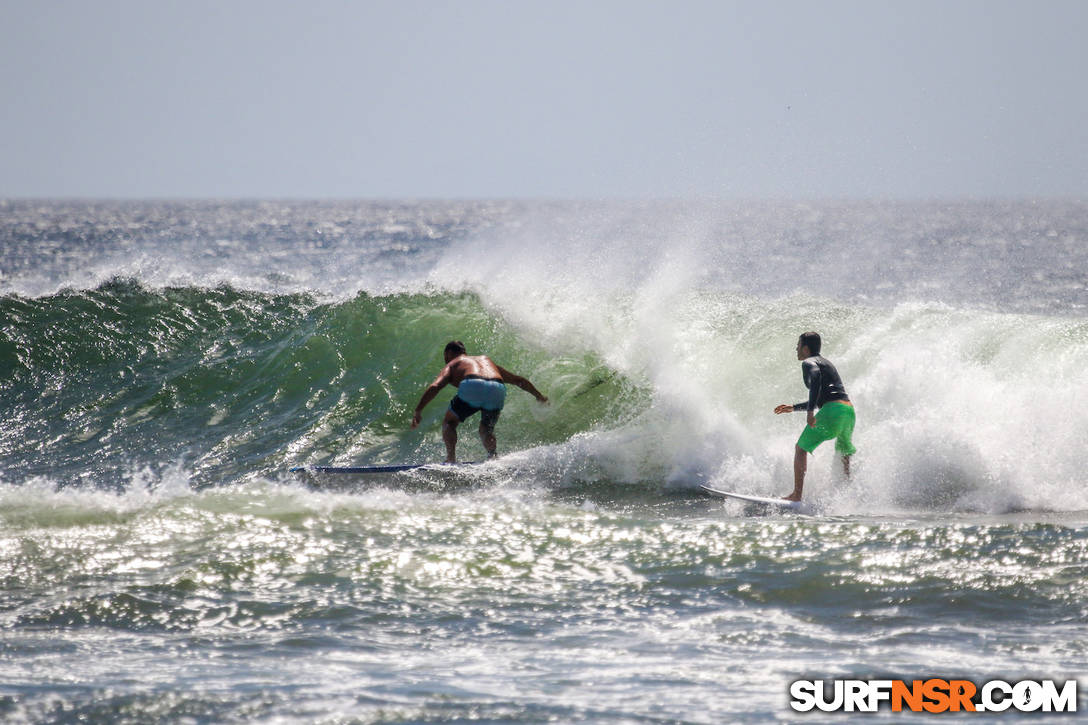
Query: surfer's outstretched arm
[[429, 394], [523, 383], [795, 407]]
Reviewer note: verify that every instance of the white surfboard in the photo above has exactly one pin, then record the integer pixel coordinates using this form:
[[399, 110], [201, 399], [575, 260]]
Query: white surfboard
[[799, 507]]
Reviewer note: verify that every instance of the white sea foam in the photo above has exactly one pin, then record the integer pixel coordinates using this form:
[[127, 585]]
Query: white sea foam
[[959, 407]]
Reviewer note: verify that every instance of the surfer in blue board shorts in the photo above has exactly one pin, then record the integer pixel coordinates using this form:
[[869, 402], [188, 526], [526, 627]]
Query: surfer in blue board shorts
[[481, 387], [835, 418]]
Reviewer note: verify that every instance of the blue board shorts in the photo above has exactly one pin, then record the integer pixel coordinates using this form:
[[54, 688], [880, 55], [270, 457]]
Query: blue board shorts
[[477, 394]]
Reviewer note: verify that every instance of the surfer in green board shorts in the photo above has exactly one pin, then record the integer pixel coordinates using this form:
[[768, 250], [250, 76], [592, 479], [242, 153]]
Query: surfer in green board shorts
[[835, 418], [481, 387]]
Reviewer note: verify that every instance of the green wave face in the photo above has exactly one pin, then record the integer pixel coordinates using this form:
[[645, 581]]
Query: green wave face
[[237, 384]]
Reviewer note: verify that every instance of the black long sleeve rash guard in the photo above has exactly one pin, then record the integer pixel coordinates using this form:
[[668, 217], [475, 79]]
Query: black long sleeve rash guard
[[823, 383]]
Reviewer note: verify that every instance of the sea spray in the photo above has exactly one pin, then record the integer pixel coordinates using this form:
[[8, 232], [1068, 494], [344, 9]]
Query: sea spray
[[958, 407]]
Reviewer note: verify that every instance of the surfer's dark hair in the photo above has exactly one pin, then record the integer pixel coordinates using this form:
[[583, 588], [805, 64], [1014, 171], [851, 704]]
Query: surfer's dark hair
[[811, 340], [456, 347]]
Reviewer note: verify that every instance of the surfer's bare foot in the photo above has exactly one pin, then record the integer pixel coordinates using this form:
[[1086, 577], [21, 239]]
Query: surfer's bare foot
[[795, 496]]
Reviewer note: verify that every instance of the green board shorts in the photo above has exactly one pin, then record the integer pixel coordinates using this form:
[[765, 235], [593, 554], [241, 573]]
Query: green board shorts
[[834, 420]]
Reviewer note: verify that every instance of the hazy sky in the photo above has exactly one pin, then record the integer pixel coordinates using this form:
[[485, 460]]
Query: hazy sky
[[545, 98]]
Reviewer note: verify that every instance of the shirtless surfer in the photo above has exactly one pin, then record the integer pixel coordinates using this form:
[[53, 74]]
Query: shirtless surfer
[[480, 386], [835, 419]]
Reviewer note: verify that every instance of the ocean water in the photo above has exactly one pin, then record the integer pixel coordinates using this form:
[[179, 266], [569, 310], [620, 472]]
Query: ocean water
[[163, 365]]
